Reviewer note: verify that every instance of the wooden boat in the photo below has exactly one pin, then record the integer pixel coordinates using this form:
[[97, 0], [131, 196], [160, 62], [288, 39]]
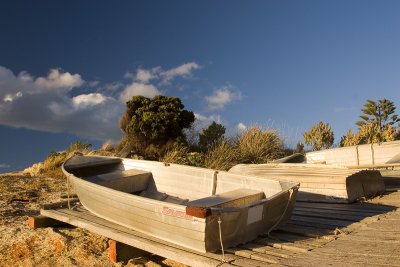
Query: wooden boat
[[375, 155], [191, 207], [319, 182]]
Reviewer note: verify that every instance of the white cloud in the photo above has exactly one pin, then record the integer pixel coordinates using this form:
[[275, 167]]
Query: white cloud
[[27, 103], [48, 103], [93, 83], [163, 76], [12, 97], [204, 121], [221, 97], [184, 70], [142, 89], [86, 100], [2, 165], [241, 127], [55, 79], [143, 76], [113, 86]]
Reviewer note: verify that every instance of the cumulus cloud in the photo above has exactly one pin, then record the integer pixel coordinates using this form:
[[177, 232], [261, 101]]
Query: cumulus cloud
[[87, 100], [45, 104], [62, 101], [142, 89], [221, 97], [56, 79], [184, 70]]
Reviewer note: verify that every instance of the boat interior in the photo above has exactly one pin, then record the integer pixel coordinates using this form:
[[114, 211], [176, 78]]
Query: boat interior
[[190, 187]]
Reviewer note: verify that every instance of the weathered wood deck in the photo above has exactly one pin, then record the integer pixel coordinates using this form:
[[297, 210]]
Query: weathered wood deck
[[360, 234]]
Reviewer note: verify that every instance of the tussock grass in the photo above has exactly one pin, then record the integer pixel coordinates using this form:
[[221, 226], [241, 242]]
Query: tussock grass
[[256, 145], [51, 166], [176, 154], [222, 156]]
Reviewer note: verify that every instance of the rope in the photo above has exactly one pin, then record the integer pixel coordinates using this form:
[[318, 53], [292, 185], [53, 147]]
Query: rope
[[220, 239], [283, 214], [68, 193]]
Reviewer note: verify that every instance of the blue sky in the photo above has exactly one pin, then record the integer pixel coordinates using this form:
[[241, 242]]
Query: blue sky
[[67, 67]]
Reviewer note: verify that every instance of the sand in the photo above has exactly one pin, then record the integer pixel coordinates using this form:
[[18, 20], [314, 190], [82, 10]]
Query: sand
[[20, 197]]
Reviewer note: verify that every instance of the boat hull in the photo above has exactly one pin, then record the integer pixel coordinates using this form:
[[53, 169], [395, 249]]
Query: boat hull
[[170, 222], [368, 155], [320, 183]]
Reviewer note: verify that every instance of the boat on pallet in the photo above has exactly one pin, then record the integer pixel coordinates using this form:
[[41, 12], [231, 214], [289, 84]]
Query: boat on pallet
[[191, 207], [376, 155], [320, 182]]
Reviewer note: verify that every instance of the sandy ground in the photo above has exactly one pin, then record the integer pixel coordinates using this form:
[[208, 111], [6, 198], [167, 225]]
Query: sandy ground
[[20, 197]]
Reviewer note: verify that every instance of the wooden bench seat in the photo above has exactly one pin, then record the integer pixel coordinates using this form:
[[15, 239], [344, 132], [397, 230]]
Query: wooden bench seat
[[240, 197], [130, 181]]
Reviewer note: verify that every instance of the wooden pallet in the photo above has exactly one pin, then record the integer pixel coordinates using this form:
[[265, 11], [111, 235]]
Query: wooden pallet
[[311, 226]]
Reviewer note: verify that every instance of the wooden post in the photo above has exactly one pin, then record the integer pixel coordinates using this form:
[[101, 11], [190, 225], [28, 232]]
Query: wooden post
[[122, 252], [43, 221]]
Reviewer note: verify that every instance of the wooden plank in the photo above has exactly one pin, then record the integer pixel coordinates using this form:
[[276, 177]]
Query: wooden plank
[[284, 245], [327, 215], [296, 239], [280, 253], [337, 211], [248, 263], [363, 207], [313, 224], [131, 238], [307, 231], [330, 222], [264, 258]]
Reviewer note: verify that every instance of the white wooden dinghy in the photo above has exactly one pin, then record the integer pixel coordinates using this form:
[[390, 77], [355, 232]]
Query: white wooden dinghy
[[319, 182], [181, 204], [377, 155]]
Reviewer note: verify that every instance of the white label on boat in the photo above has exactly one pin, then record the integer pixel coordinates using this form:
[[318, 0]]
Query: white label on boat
[[255, 214]]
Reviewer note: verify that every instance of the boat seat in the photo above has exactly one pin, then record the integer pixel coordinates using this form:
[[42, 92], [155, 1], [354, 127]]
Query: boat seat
[[163, 197], [80, 162], [129, 181], [235, 198]]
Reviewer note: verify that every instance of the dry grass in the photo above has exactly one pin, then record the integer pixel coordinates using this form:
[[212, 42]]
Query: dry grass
[[222, 156], [176, 155], [256, 145], [51, 166]]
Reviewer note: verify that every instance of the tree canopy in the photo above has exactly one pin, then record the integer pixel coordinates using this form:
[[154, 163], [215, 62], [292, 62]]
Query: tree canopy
[[377, 124], [211, 135], [381, 113], [319, 136], [155, 121]]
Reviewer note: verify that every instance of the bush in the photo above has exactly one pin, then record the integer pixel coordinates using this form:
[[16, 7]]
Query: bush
[[176, 155], [210, 136], [222, 156], [259, 146], [319, 136], [149, 124], [369, 133]]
